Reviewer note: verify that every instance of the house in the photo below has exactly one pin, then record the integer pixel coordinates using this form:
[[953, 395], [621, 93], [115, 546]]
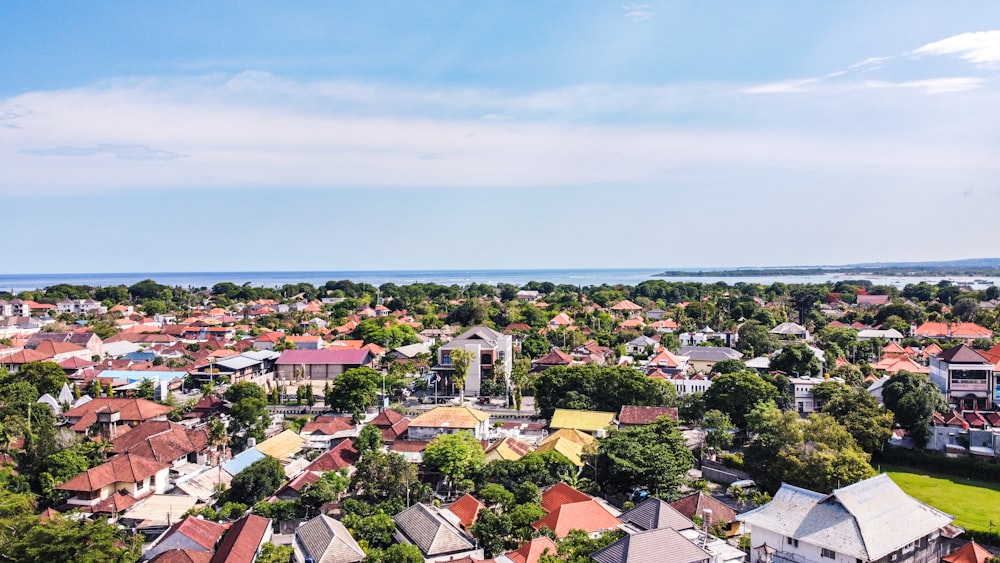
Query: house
[[965, 376], [631, 415], [704, 335], [871, 520], [449, 420], [325, 429], [325, 540], [802, 393], [137, 476], [708, 508], [653, 545], [889, 335], [971, 552], [508, 448], [492, 351], [191, 534], [163, 441], [463, 512], [665, 326], [591, 422], [316, 367], [80, 307], [666, 362], [555, 358], [570, 443], [306, 342], [254, 366], [640, 345], [653, 514], [243, 542], [87, 340], [967, 331], [392, 424], [569, 509], [438, 539], [109, 413], [871, 301], [790, 332], [530, 552], [701, 359], [527, 295]]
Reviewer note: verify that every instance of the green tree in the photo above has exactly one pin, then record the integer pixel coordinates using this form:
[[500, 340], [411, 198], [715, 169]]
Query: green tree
[[59, 468], [519, 379], [456, 456], [755, 339], [249, 417], [380, 477], [258, 481], [461, 361], [325, 490], [593, 387], [67, 540], [731, 365], [797, 358], [396, 553], [369, 440], [146, 390], [47, 377], [913, 398], [271, 553], [653, 456], [355, 390], [718, 430], [492, 531], [861, 415], [736, 394]]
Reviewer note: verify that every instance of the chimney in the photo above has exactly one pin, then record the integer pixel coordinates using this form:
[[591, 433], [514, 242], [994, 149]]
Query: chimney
[[706, 520]]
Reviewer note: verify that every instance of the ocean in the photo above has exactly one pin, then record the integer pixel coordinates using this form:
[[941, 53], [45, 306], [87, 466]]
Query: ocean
[[578, 277]]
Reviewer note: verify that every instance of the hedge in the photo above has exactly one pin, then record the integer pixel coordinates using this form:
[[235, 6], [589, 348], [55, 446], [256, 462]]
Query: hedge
[[953, 466]]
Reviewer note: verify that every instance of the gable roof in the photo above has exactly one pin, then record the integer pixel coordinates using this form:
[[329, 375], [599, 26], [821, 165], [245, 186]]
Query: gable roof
[[466, 509], [182, 556], [588, 421], [650, 547], [123, 468], [450, 417], [866, 520], [327, 541], [161, 440], [971, 552], [431, 532], [963, 354], [560, 494], [282, 446], [336, 458], [654, 513], [509, 448], [131, 410], [191, 533], [696, 503], [587, 515], [532, 551], [709, 353], [241, 542], [555, 357], [631, 414], [329, 356]]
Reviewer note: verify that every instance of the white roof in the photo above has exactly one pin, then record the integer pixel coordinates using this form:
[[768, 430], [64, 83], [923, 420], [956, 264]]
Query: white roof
[[866, 520]]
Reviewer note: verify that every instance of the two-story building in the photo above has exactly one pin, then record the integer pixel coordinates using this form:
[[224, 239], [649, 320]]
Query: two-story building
[[449, 420], [493, 353], [136, 475], [870, 521], [966, 378]]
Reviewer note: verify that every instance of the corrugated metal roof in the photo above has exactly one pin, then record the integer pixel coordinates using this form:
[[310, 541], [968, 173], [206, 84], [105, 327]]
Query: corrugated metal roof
[[588, 421]]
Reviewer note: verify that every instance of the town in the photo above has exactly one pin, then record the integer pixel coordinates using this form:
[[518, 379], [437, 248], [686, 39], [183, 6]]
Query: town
[[660, 422]]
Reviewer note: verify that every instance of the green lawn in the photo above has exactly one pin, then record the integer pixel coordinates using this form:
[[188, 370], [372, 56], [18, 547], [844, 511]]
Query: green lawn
[[973, 503]]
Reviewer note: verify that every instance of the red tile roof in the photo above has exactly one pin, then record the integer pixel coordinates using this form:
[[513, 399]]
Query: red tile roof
[[242, 540], [124, 468], [532, 551], [560, 494], [203, 532], [132, 410], [588, 516], [161, 440], [971, 552], [466, 508], [644, 415], [336, 458]]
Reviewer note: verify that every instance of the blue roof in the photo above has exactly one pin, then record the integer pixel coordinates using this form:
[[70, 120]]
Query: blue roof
[[139, 356], [243, 460]]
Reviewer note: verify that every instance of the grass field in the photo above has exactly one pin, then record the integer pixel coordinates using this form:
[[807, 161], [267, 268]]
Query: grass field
[[974, 504]]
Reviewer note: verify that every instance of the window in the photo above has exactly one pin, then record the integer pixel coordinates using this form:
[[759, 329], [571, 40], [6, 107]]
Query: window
[[793, 542], [140, 485], [829, 554]]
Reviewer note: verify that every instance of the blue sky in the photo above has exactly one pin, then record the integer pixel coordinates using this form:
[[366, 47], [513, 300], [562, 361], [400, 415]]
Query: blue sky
[[396, 135]]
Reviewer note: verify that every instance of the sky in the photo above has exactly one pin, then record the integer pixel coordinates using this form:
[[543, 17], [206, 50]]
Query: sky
[[249, 136]]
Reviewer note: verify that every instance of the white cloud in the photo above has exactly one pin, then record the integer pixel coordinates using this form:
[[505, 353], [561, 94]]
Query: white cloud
[[638, 12], [934, 85], [981, 47], [257, 130]]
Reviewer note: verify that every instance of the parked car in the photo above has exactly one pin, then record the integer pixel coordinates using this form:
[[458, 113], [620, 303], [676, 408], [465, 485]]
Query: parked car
[[483, 400]]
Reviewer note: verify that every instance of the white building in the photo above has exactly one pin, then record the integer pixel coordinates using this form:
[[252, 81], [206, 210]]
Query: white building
[[872, 520]]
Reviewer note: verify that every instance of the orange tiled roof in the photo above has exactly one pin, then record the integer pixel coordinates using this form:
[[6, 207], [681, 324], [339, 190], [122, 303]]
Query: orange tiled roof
[[124, 468], [587, 515], [466, 508], [560, 494]]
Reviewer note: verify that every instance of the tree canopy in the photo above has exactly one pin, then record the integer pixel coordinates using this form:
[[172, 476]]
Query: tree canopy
[[653, 456], [255, 483], [355, 390], [736, 394], [598, 388], [913, 398]]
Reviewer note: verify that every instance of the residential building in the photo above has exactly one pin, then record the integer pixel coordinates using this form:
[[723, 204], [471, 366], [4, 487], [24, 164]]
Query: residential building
[[137, 476], [316, 367], [109, 413], [492, 351], [163, 441], [872, 520], [967, 331], [640, 345], [87, 340], [449, 420], [325, 540], [243, 542], [437, 537], [802, 393], [887, 335], [569, 509], [653, 545], [966, 378], [701, 359], [790, 332], [192, 534], [640, 416], [595, 423], [80, 307]]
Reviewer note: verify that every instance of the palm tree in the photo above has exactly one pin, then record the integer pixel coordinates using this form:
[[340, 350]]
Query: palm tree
[[461, 360]]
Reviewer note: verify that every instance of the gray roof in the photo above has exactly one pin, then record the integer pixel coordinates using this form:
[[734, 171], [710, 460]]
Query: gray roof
[[475, 334], [789, 328], [866, 520], [653, 546], [709, 353], [236, 362], [412, 350], [327, 541], [261, 355], [654, 513], [878, 333], [431, 532]]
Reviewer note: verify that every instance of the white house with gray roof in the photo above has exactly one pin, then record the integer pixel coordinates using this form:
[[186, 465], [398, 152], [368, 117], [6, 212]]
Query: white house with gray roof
[[870, 521]]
